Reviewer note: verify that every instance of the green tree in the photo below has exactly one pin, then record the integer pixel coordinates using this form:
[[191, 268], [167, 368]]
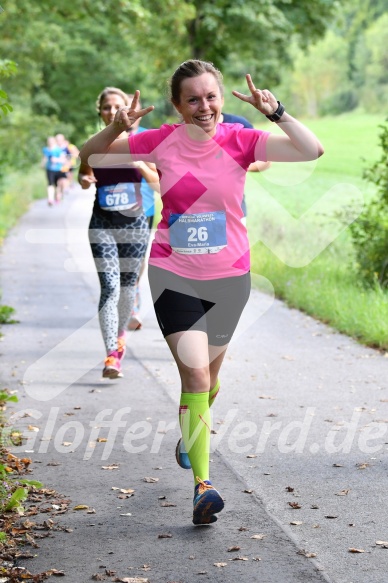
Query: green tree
[[373, 65], [234, 32], [69, 50], [370, 231], [318, 83], [7, 69]]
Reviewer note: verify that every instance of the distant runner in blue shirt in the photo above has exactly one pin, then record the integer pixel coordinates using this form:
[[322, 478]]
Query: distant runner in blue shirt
[[53, 160]]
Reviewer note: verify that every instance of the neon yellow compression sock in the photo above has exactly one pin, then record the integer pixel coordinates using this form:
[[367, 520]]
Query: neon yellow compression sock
[[194, 419], [214, 392]]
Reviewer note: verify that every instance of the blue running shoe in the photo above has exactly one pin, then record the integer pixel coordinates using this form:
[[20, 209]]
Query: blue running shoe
[[181, 455], [207, 502]]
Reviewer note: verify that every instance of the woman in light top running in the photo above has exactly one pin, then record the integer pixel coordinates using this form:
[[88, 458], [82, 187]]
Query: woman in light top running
[[118, 234], [199, 267]]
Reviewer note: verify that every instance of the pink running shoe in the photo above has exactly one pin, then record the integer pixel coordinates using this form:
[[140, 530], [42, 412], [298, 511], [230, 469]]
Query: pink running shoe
[[112, 369]]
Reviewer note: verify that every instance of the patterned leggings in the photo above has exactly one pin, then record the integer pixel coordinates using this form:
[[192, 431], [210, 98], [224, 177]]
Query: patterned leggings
[[118, 252]]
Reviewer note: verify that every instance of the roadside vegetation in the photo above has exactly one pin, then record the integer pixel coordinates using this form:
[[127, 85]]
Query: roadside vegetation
[[333, 285], [18, 191]]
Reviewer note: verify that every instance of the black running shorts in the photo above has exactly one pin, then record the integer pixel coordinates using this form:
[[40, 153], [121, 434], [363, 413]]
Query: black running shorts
[[212, 306]]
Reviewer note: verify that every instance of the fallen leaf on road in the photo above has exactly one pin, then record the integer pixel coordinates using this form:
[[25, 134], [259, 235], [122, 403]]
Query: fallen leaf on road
[[220, 564], [382, 543], [256, 559], [338, 466], [33, 428], [101, 439], [331, 516], [231, 549], [81, 507], [251, 455], [362, 466], [295, 505], [296, 523], [267, 397], [126, 514], [248, 491], [111, 467], [167, 504], [239, 559], [352, 550], [165, 535], [242, 528], [67, 443], [202, 572], [150, 480], [343, 492], [126, 491], [306, 554], [132, 580], [98, 577], [258, 536], [289, 489]]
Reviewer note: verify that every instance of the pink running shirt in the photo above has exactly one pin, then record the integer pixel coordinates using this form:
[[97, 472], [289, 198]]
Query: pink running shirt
[[202, 185]]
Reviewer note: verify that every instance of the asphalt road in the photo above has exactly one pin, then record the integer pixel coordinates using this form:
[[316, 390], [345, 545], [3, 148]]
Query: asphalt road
[[299, 449]]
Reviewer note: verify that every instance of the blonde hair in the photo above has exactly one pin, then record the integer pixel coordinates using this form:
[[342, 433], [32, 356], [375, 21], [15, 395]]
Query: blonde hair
[[109, 91]]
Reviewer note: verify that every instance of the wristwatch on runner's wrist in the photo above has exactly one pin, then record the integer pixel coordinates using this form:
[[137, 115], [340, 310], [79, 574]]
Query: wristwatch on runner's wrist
[[276, 115]]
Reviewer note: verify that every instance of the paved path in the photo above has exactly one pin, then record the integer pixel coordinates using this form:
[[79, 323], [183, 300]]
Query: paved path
[[301, 419]]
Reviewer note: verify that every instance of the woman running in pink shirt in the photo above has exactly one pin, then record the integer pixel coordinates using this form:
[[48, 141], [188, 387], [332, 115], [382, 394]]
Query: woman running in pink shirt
[[199, 266]]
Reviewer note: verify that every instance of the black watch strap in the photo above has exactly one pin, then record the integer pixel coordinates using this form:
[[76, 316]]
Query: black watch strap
[[276, 115]]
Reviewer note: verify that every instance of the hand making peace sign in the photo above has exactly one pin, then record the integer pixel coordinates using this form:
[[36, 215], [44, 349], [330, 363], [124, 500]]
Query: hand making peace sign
[[126, 116], [261, 99]]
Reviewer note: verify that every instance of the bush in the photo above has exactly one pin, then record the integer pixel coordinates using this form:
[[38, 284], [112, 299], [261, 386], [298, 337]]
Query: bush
[[339, 102], [370, 232]]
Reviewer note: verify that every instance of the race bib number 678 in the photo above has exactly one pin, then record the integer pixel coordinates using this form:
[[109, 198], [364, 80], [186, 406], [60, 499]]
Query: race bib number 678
[[117, 197]]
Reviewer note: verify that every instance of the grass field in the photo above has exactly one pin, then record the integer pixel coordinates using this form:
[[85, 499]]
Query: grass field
[[19, 191], [297, 219]]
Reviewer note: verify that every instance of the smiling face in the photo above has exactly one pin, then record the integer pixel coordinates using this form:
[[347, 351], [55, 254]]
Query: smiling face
[[109, 105], [201, 102]]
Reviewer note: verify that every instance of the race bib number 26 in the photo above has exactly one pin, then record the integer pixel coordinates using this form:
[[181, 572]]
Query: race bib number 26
[[198, 233]]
